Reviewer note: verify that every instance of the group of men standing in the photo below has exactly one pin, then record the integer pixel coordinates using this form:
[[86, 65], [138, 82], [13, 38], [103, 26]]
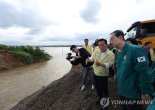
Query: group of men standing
[[133, 74]]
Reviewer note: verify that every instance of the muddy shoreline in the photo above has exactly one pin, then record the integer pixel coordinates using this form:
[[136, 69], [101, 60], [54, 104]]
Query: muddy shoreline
[[21, 65], [65, 94]]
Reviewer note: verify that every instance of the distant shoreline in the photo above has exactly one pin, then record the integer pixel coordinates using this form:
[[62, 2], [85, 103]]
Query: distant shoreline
[[59, 46], [45, 45]]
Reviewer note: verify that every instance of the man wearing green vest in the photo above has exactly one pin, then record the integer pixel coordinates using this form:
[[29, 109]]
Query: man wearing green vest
[[87, 46], [133, 74], [103, 59]]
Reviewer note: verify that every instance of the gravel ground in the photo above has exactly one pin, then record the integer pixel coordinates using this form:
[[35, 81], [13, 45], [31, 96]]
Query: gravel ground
[[65, 94]]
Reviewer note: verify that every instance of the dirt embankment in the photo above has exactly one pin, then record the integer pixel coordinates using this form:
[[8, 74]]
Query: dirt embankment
[[65, 94], [7, 61]]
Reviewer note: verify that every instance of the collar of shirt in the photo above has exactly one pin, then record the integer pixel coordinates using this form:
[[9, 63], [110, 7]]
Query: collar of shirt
[[102, 54]]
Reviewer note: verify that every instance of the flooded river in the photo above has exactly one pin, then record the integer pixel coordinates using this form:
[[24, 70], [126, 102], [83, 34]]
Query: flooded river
[[21, 82]]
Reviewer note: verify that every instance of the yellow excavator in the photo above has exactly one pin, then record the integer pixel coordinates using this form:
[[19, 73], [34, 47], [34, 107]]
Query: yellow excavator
[[143, 31]]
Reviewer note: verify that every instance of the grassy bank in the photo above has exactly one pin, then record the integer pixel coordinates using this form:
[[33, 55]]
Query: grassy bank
[[21, 55]]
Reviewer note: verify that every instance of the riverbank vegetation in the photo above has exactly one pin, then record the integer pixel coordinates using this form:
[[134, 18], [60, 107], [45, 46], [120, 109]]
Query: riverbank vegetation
[[26, 54]]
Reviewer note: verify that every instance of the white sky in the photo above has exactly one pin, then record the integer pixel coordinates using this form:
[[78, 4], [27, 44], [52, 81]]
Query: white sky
[[56, 22]]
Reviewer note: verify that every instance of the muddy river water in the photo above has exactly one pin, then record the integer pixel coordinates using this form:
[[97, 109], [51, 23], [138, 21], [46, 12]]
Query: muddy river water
[[21, 82]]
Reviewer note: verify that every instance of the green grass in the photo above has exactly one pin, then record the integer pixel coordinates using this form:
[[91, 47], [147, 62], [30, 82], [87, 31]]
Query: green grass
[[25, 57]]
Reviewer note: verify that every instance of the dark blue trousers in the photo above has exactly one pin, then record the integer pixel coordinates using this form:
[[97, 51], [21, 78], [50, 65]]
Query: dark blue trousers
[[101, 85]]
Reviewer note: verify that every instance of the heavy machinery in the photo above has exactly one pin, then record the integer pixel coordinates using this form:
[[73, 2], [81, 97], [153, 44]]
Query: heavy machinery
[[143, 31]]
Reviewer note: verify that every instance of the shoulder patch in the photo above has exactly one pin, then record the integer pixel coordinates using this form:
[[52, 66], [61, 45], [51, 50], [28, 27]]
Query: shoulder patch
[[141, 59]]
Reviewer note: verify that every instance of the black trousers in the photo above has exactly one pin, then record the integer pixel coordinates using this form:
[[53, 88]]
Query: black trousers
[[101, 85], [130, 106]]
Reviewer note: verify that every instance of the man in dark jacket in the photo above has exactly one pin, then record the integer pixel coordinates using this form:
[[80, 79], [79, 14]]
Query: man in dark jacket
[[81, 55]]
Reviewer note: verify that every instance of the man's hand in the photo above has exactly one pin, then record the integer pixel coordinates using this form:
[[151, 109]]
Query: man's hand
[[145, 98], [87, 61], [98, 63]]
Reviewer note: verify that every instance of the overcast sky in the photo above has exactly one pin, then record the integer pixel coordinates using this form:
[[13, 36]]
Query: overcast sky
[[57, 22]]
